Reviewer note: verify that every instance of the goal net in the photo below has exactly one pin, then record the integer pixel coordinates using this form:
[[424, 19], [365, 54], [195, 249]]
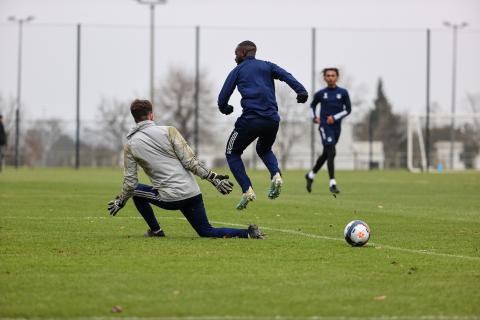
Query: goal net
[[451, 143]]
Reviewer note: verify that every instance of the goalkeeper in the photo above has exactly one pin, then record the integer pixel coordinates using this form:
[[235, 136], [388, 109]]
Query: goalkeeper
[[169, 162]]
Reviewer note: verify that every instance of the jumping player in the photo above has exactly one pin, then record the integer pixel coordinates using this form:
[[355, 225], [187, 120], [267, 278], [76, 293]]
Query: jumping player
[[254, 79], [169, 162], [334, 106]]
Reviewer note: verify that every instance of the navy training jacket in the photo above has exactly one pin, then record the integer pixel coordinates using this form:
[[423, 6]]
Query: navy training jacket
[[255, 82], [333, 102]]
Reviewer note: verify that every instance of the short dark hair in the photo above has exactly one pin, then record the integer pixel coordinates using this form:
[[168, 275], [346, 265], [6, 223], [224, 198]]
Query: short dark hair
[[140, 109], [330, 69], [249, 47]]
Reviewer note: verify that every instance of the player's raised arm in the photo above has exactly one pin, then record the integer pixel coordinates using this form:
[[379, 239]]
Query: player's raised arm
[[226, 92], [190, 162], [285, 76]]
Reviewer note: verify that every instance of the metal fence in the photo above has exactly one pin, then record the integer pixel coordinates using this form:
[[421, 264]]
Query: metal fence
[[90, 66]]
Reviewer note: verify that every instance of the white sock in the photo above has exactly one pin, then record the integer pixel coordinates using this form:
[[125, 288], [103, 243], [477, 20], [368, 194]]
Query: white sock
[[333, 182], [311, 175]]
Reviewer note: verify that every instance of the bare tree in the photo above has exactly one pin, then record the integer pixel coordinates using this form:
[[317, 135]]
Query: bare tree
[[176, 107], [177, 103], [115, 121], [39, 140], [292, 124], [358, 94]]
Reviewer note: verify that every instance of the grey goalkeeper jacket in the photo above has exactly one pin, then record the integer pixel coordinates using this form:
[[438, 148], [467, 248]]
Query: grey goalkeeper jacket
[[167, 160]]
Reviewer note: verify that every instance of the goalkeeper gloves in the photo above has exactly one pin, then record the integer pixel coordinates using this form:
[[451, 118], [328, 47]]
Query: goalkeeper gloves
[[302, 97], [115, 205], [226, 109], [220, 182]]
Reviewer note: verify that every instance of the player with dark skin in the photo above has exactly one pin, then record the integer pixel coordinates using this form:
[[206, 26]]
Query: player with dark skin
[[254, 80], [241, 52]]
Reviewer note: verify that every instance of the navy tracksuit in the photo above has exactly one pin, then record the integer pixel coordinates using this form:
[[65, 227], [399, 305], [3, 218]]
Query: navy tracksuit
[[254, 79], [333, 102], [192, 208]]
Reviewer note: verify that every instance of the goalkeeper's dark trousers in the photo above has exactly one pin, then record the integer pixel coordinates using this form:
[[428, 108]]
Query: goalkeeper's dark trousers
[[192, 208], [245, 132]]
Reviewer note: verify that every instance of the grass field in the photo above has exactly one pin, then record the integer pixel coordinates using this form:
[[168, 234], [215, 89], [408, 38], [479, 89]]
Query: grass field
[[62, 255]]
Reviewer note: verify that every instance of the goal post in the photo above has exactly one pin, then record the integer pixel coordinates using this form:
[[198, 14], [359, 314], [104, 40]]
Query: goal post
[[454, 142]]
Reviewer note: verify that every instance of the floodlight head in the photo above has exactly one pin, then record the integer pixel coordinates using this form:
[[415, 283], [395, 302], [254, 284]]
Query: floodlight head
[[447, 23], [152, 2], [464, 24], [12, 19], [29, 18]]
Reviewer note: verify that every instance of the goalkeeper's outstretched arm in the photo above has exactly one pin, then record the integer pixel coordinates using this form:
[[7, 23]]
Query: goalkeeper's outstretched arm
[[185, 154], [130, 176], [190, 162], [130, 181]]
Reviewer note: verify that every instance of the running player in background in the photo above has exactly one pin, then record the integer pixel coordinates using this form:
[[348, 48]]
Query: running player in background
[[334, 106]]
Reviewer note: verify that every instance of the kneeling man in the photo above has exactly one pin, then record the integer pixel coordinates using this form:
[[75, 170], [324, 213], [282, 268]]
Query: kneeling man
[[170, 163]]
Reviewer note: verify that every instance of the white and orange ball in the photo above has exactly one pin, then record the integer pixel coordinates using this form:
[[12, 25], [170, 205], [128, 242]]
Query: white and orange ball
[[357, 233]]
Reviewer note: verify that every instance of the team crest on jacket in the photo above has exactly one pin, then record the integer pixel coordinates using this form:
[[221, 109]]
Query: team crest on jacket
[[325, 95], [339, 96]]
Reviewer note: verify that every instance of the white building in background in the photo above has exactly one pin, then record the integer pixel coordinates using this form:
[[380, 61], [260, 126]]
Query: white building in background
[[443, 154], [361, 154], [477, 162]]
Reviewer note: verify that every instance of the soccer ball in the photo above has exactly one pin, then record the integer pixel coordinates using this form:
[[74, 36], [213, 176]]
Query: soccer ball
[[357, 233]]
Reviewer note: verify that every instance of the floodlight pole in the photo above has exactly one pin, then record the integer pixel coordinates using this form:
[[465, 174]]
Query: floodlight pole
[[455, 28], [370, 140], [197, 88], [152, 53], [77, 101], [152, 4], [19, 94], [312, 93], [20, 22], [427, 124]]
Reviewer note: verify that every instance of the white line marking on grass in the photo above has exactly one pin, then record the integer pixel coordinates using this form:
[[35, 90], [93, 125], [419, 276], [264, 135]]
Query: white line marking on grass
[[293, 232], [378, 246], [261, 318]]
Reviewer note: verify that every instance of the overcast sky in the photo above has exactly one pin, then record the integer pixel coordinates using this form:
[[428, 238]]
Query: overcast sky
[[368, 39], [285, 13]]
